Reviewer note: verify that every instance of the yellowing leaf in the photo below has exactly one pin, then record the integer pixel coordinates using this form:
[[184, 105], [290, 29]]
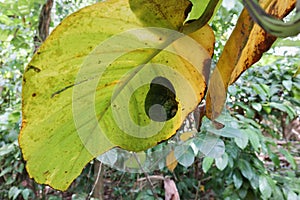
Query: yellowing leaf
[[171, 161], [84, 90], [186, 135], [245, 46], [165, 14]]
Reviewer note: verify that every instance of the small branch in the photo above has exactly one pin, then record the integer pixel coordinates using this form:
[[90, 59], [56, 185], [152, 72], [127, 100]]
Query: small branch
[[206, 179], [146, 175], [154, 178], [96, 181]]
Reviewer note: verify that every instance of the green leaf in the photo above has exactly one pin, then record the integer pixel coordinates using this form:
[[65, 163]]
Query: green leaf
[[197, 9], [206, 164], [26, 193], [292, 195], [249, 112], [275, 159], [184, 154], [6, 170], [201, 13], [254, 138], [6, 149], [254, 182], [4, 19], [212, 146], [288, 157], [110, 157], [284, 108], [222, 162], [228, 132], [262, 90], [257, 106], [14, 192], [246, 169], [237, 179], [6, 35], [288, 84], [277, 193], [243, 192], [264, 187], [278, 106], [267, 109], [84, 90], [242, 141]]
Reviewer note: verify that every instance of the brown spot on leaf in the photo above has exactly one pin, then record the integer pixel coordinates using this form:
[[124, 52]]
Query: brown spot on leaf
[[31, 67], [46, 173], [206, 69]]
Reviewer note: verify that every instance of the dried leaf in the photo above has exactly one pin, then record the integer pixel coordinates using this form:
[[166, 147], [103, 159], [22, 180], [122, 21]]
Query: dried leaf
[[171, 161], [245, 46], [171, 192]]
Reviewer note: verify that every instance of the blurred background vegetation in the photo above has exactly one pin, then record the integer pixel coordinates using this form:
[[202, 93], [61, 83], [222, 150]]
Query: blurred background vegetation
[[263, 106]]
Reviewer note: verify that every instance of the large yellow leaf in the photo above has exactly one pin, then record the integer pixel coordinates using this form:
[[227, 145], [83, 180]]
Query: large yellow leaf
[[245, 46], [84, 90]]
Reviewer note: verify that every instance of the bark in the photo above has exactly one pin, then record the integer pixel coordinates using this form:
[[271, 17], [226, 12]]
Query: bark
[[44, 23]]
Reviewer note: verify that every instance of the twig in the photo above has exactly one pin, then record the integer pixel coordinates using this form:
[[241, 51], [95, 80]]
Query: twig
[[206, 179], [154, 177], [146, 175], [97, 179]]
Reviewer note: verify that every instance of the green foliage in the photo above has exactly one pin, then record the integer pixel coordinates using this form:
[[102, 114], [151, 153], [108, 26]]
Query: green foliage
[[18, 23], [232, 170], [255, 106]]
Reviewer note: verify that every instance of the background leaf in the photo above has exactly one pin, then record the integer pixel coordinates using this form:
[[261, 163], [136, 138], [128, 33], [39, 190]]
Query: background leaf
[[184, 155], [264, 187], [237, 179], [246, 169], [222, 161], [212, 146], [206, 164]]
